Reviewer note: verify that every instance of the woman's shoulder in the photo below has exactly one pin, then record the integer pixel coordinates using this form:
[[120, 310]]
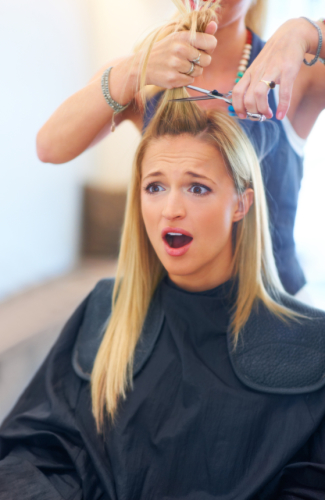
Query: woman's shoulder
[[282, 356], [94, 324], [92, 328]]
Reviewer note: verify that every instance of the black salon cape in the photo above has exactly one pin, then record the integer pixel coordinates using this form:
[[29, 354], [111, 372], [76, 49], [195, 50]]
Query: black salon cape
[[190, 430]]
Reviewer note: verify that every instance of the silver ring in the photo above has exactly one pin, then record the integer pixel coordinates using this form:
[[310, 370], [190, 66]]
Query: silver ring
[[256, 117], [197, 60], [191, 70]]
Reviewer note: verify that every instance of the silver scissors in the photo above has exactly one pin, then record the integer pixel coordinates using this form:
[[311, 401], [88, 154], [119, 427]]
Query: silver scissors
[[214, 94]]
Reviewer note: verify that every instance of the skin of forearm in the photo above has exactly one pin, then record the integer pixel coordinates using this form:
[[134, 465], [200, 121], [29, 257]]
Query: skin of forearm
[[81, 118]]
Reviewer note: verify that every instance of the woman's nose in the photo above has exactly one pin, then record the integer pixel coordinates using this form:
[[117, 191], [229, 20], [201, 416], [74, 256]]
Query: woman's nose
[[174, 207]]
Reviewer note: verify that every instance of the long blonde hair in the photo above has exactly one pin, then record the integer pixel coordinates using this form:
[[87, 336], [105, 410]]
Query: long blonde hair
[[139, 270], [256, 16]]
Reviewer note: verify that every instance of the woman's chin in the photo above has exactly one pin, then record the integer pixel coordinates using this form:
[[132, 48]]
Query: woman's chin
[[180, 267]]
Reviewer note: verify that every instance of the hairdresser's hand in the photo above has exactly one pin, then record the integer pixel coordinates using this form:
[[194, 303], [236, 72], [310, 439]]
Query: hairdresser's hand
[[171, 58], [279, 61]]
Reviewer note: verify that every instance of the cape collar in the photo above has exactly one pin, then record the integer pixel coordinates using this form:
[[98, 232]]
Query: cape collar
[[272, 355], [94, 325]]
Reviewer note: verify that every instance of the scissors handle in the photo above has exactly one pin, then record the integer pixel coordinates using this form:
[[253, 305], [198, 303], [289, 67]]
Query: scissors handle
[[214, 94]]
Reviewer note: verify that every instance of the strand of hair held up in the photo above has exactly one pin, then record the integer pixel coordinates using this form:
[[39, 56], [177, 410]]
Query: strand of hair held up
[[192, 16]]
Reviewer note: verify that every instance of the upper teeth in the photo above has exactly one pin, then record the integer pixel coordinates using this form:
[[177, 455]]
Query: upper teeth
[[175, 234]]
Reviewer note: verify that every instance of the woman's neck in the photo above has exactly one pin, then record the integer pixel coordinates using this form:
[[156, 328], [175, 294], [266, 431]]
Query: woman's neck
[[225, 60], [231, 41], [206, 278]]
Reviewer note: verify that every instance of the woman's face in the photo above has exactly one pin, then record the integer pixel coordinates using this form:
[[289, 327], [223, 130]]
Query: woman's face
[[189, 204]]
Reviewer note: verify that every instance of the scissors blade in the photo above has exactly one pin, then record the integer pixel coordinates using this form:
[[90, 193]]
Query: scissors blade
[[198, 98], [213, 94]]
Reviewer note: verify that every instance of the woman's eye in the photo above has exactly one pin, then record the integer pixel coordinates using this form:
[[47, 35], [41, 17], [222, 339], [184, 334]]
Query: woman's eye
[[154, 188], [199, 189]]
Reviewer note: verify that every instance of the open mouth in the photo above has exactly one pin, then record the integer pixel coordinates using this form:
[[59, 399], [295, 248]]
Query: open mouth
[[177, 240]]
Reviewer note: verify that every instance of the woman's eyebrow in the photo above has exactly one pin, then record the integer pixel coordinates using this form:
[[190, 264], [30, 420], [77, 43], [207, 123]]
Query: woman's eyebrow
[[192, 174], [153, 174]]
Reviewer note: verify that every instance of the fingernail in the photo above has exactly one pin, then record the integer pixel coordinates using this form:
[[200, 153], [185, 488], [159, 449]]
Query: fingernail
[[242, 116], [280, 115]]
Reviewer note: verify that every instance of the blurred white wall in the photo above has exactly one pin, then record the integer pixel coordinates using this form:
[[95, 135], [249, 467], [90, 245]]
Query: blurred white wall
[[45, 56], [310, 226], [50, 49]]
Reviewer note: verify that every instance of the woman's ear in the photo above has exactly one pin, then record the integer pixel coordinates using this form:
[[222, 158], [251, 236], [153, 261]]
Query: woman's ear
[[244, 203]]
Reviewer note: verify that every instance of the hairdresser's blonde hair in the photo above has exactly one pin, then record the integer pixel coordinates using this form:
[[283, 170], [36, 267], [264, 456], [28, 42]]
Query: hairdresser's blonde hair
[[139, 269], [256, 16]]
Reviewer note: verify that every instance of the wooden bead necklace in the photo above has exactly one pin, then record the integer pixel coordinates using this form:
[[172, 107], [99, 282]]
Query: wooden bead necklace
[[243, 64]]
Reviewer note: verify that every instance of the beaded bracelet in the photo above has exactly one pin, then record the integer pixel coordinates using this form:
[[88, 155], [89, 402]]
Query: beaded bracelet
[[118, 108], [322, 20], [320, 42]]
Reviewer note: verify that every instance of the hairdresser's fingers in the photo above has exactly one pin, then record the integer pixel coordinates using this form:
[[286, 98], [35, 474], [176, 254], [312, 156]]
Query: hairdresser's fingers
[[250, 101], [256, 94], [261, 94], [238, 95], [250, 94], [211, 29], [281, 74], [205, 60], [180, 77], [202, 41], [288, 78], [175, 79], [186, 66], [169, 70], [280, 60], [171, 58], [181, 80], [182, 53], [205, 42], [193, 54]]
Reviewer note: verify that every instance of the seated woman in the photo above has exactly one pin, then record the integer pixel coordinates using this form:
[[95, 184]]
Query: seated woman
[[192, 375]]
